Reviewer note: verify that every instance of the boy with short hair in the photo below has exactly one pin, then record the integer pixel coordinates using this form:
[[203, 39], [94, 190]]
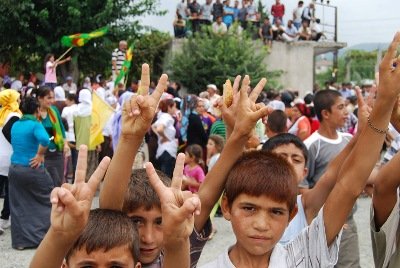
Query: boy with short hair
[[259, 218], [137, 117], [109, 238]]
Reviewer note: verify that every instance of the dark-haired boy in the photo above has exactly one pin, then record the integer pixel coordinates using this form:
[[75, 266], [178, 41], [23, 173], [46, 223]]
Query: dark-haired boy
[[142, 109], [323, 145], [109, 238], [259, 216], [310, 202]]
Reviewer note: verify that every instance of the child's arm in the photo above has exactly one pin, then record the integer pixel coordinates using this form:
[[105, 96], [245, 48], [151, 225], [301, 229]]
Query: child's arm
[[247, 114], [385, 190], [315, 198], [177, 209], [359, 164], [69, 213], [137, 115]]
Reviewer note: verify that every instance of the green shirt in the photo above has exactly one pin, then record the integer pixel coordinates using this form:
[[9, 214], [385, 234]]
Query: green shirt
[[82, 130], [218, 128]]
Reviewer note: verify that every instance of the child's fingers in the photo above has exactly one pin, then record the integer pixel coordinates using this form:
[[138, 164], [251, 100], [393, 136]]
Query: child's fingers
[[155, 181], [386, 63], [98, 174], [360, 98], [178, 172], [54, 195], [236, 84], [257, 90], [244, 88], [161, 86], [144, 80], [189, 207], [131, 107], [80, 172], [262, 112], [67, 200]]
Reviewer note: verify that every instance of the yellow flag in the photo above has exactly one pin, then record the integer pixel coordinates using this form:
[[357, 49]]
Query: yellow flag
[[101, 113]]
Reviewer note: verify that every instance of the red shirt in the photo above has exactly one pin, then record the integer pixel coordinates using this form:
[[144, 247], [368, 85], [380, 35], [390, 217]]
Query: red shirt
[[278, 10]]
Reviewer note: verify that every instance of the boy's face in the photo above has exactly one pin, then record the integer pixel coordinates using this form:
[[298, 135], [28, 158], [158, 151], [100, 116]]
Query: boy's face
[[116, 257], [338, 114], [295, 157], [150, 232], [257, 221]]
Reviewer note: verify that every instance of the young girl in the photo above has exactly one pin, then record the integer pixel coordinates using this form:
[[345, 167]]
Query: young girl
[[50, 78], [193, 169], [214, 148]]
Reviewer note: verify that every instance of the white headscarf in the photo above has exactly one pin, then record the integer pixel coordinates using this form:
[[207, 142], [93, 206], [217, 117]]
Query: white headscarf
[[59, 94], [85, 103]]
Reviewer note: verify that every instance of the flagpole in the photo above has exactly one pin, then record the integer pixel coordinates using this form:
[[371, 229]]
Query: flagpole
[[65, 53]]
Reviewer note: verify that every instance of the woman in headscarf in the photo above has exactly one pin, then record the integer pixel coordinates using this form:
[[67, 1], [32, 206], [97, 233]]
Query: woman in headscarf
[[9, 114], [82, 122], [29, 183], [52, 122], [59, 98]]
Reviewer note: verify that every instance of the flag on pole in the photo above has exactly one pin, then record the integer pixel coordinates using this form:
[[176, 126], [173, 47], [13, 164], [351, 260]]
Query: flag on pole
[[101, 113], [81, 39], [125, 66]]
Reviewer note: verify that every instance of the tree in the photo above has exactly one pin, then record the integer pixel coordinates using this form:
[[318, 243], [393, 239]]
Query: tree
[[211, 58], [32, 28]]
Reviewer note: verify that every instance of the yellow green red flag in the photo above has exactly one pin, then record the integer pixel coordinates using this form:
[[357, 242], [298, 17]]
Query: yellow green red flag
[[101, 113], [80, 39], [125, 66]]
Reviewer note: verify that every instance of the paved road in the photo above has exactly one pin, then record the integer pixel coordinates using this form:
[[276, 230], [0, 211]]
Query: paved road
[[10, 258]]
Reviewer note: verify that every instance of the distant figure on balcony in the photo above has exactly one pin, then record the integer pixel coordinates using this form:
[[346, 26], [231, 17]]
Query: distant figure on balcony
[[297, 12], [218, 27], [217, 10], [179, 27], [278, 30], [265, 32], [308, 14], [182, 9], [278, 11], [206, 12], [291, 34], [316, 30], [304, 31]]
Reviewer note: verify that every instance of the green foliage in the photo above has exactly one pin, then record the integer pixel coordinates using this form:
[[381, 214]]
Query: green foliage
[[262, 10], [210, 58], [355, 65], [32, 28], [149, 48]]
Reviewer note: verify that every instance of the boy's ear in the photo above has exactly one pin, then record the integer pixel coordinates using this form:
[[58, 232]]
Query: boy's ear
[[305, 172], [293, 213], [225, 208], [138, 265], [325, 114], [64, 265]]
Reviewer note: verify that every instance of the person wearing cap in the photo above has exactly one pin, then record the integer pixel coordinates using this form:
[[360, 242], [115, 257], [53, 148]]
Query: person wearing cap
[[213, 96], [69, 86], [59, 98]]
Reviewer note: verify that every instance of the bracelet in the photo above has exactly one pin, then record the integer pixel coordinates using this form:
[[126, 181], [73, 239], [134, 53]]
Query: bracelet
[[377, 130]]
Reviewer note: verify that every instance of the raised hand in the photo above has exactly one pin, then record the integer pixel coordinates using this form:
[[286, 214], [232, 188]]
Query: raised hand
[[71, 203], [364, 109], [138, 113], [177, 206], [247, 111], [389, 71]]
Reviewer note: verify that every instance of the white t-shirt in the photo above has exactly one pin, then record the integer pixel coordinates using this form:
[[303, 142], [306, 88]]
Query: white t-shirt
[[68, 113], [298, 11], [181, 7], [5, 149], [296, 225], [206, 11], [170, 146], [308, 249], [212, 161], [219, 29]]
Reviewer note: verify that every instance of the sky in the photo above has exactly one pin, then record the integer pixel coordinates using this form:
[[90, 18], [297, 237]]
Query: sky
[[359, 21]]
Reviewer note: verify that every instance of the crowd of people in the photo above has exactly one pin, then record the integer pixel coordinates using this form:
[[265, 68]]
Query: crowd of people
[[302, 25], [285, 170]]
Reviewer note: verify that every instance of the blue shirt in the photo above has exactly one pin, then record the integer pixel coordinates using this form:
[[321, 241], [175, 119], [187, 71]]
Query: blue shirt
[[228, 19], [26, 135]]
